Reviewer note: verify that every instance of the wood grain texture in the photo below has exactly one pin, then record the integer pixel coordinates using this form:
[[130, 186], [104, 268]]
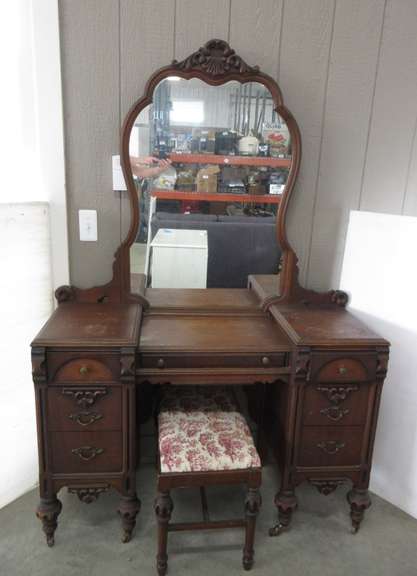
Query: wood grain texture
[[90, 78], [198, 22], [394, 112], [146, 44], [304, 56], [260, 21], [350, 86]]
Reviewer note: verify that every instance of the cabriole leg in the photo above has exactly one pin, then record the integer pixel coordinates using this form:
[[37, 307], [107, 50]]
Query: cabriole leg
[[252, 506], [48, 512]]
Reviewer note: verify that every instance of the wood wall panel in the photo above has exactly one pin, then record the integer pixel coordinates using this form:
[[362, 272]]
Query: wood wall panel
[[260, 22], [199, 21], [304, 60], [90, 82], [325, 56], [394, 112], [146, 44], [348, 106]]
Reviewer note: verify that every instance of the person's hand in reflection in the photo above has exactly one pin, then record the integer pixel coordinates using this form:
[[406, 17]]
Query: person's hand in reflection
[[148, 166]]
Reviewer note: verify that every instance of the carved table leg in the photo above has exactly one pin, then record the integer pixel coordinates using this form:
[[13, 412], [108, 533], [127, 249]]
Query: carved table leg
[[163, 511], [359, 501], [286, 502], [48, 512], [252, 506], [128, 510]]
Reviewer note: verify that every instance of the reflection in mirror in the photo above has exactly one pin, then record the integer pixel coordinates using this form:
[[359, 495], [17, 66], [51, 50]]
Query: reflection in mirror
[[210, 164]]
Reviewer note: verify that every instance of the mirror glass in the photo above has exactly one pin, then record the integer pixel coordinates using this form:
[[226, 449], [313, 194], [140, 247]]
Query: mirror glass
[[210, 164]]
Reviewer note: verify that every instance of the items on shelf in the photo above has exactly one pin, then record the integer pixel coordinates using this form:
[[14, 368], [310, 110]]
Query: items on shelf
[[206, 180]]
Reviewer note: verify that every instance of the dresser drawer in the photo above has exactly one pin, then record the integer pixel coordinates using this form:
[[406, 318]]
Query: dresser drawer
[[330, 446], [162, 361], [67, 367], [332, 403], [342, 370], [80, 452], [84, 408]]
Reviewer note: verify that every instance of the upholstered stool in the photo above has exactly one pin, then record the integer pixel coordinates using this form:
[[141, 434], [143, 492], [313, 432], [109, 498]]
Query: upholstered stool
[[204, 440]]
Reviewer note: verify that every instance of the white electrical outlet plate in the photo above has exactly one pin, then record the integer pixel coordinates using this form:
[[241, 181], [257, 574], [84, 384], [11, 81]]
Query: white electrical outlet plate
[[118, 179], [88, 225]]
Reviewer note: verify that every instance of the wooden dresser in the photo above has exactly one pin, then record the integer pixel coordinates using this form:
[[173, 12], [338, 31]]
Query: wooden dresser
[[312, 371]]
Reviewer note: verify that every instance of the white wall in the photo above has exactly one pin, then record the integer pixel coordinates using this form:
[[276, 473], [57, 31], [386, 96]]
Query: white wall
[[32, 262], [26, 302], [380, 274]]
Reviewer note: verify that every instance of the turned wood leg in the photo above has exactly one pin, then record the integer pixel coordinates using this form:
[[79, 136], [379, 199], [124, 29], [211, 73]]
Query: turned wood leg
[[163, 511], [128, 510], [359, 501], [252, 506], [48, 512], [286, 502]]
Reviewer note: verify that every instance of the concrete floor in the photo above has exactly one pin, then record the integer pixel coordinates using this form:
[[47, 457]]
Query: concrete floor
[[319, 543]]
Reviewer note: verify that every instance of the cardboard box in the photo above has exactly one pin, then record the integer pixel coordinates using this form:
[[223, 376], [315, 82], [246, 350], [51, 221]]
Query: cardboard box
[[207, 180]]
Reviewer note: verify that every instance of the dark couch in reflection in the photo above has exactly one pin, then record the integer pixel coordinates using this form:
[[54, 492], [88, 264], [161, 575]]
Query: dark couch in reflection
[[237, 245]]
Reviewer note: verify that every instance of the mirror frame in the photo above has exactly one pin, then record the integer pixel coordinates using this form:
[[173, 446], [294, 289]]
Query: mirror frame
[[216, 64]]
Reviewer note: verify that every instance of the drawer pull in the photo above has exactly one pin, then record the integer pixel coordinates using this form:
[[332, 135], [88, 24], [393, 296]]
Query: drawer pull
[[87, 453], [337, 394], [85, 418], [161, 363], [331, 446], [343, 370], [83, 370], [334, 413], [266, 361], [86, 397]]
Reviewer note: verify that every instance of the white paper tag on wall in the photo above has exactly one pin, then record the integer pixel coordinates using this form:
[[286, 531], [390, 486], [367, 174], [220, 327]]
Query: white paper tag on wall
[[118, 179], [88, 225]]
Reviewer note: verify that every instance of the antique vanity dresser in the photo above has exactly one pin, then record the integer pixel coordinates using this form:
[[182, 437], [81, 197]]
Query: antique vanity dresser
[[313, 373]]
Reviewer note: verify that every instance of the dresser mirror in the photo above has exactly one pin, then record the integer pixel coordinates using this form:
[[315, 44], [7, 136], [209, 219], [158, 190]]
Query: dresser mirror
[[210, 160]]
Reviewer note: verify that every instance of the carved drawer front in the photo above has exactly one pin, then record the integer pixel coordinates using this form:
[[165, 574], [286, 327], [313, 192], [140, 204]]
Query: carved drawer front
[[330, 446], [78, 452], [163, 361], [84, 370], [333, 403], [343, 370], [84, 408]]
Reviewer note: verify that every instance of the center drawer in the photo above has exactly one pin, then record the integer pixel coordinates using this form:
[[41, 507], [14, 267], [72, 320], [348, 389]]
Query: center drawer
[[166, 361], [80, 452], [79, 408]]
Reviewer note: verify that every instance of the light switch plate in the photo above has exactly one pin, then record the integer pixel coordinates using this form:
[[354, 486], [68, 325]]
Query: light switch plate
[[88, 225]]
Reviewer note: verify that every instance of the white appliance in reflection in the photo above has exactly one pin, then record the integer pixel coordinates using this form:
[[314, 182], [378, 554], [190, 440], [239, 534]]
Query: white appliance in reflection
[[179, 259]]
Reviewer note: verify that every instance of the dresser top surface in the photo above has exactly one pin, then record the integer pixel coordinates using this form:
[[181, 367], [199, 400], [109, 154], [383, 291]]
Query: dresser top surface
[[215, 299], [91, 325]]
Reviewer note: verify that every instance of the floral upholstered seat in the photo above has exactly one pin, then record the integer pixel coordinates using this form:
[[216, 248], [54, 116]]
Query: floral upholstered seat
[[202, 430]]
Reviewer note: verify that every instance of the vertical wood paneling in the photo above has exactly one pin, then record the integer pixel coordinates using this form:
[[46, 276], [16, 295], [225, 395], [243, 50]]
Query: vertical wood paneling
[[198, 22], [394, 112], [353, 129], [305, 48], [146, 44], [255, 30], [350, 87], [90, 63]]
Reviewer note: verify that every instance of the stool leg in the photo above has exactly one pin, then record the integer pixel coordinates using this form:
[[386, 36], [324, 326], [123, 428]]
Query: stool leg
[[252, 506], [163, 511]]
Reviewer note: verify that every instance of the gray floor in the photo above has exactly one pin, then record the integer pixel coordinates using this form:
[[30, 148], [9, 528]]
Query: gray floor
[[319, 543]]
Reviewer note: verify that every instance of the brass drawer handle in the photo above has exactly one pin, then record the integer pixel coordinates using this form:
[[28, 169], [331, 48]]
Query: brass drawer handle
[[85, 397], [331, 446], [266, 361], [334, 413], [83, 370], [85, 418], [87, 453], [161, 363], [343, 370]]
